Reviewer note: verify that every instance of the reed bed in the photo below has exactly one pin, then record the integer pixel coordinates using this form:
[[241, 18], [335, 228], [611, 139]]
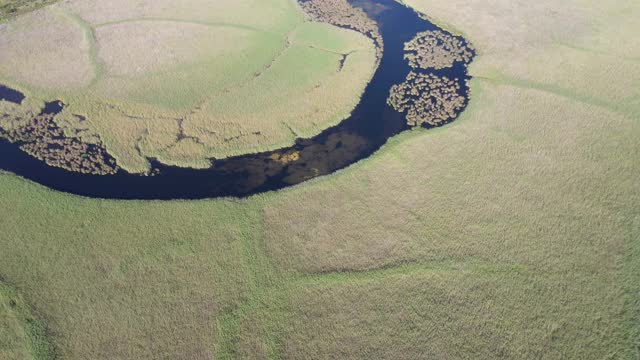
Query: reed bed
[[39, 136], [427, 99], [343, 14], [437, 50]]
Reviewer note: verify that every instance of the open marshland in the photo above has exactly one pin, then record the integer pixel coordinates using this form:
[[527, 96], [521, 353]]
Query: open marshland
[[511, 233]]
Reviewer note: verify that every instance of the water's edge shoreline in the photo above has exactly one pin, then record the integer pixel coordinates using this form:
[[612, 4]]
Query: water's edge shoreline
[[368, 128]]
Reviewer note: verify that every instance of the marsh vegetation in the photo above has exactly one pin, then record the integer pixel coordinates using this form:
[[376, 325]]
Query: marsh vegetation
[[39, 136], [44, 140], [342, 13], [184, 83], [427, 99], [437, 50]]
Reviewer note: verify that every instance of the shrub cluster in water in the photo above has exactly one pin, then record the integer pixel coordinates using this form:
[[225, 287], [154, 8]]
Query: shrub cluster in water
[[436, 50], [41, 138], [427, 99], [341, 13]]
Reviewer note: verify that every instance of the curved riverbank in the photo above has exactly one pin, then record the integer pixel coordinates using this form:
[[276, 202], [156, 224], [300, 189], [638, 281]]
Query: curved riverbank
[[370, 125]]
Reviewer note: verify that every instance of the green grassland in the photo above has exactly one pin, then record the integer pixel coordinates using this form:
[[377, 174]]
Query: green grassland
[[187, 81], [511, 233], [127, 280], [22, 335]]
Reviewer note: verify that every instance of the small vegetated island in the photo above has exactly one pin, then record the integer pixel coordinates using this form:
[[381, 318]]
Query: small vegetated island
[[427, 98], [180, 82]]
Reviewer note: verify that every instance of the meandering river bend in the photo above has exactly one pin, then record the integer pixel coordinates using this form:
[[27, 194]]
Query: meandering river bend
[[370, 125]]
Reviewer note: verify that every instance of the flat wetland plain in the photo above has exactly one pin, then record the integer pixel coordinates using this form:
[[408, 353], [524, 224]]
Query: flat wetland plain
[[512, 233]]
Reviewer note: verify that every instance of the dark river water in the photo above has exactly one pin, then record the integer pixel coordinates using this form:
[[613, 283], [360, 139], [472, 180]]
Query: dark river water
[[370, 125], [11, 95]]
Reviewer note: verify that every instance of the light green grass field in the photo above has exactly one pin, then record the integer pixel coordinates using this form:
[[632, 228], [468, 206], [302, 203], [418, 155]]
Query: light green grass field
[[240, 76], [512, 233]]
